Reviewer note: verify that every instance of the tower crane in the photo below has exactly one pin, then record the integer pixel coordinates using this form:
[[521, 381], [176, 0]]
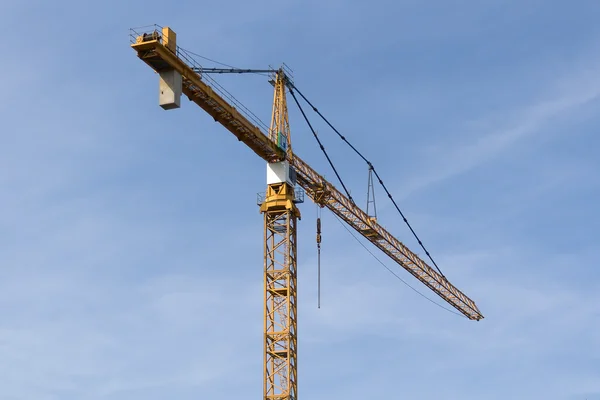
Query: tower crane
[[180, 74]]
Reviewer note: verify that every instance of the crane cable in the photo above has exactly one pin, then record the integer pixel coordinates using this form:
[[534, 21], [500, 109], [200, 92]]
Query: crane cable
[[344, 225], [370, 166], [392, 272], [321, 145], [293, 87], [318, 256], [238, 70]]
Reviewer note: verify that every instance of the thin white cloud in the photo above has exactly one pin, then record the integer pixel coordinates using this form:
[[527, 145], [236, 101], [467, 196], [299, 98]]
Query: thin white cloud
[[449, 159], [101, 300]]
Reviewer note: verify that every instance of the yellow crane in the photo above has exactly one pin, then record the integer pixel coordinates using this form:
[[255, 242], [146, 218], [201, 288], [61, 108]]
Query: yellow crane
[[179, 74]]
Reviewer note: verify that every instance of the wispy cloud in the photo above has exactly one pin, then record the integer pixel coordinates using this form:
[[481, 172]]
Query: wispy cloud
[[131, 259], [501, 131]]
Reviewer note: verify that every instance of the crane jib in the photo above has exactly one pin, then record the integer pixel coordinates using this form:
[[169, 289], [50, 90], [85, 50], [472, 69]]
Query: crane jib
[[159, 57]]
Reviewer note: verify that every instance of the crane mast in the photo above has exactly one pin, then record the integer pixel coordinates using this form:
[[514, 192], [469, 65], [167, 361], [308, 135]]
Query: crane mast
[[280, 291], [280, 267], [180, 75]]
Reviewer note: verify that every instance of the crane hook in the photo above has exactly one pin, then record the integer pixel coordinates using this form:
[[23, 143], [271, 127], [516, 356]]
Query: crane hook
[[319, 261]]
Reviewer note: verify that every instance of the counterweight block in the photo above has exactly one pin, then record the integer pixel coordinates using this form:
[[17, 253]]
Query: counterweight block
[[170, 88]]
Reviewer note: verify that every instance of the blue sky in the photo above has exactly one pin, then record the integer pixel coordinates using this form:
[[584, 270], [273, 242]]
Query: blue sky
[[131, 259]]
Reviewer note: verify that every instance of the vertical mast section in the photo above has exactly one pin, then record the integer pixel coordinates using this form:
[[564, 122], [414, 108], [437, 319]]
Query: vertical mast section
[[279, 132], [280, 285], [280, 263]]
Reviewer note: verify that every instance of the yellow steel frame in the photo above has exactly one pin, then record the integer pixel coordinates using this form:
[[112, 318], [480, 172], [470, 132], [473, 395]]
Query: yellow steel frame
[[280, 124], [158, 57], [280, 302], [160, 52]]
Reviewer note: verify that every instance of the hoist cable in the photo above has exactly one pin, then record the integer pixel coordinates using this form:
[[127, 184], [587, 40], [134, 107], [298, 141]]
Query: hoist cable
[[374, 171], [318, 257]]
